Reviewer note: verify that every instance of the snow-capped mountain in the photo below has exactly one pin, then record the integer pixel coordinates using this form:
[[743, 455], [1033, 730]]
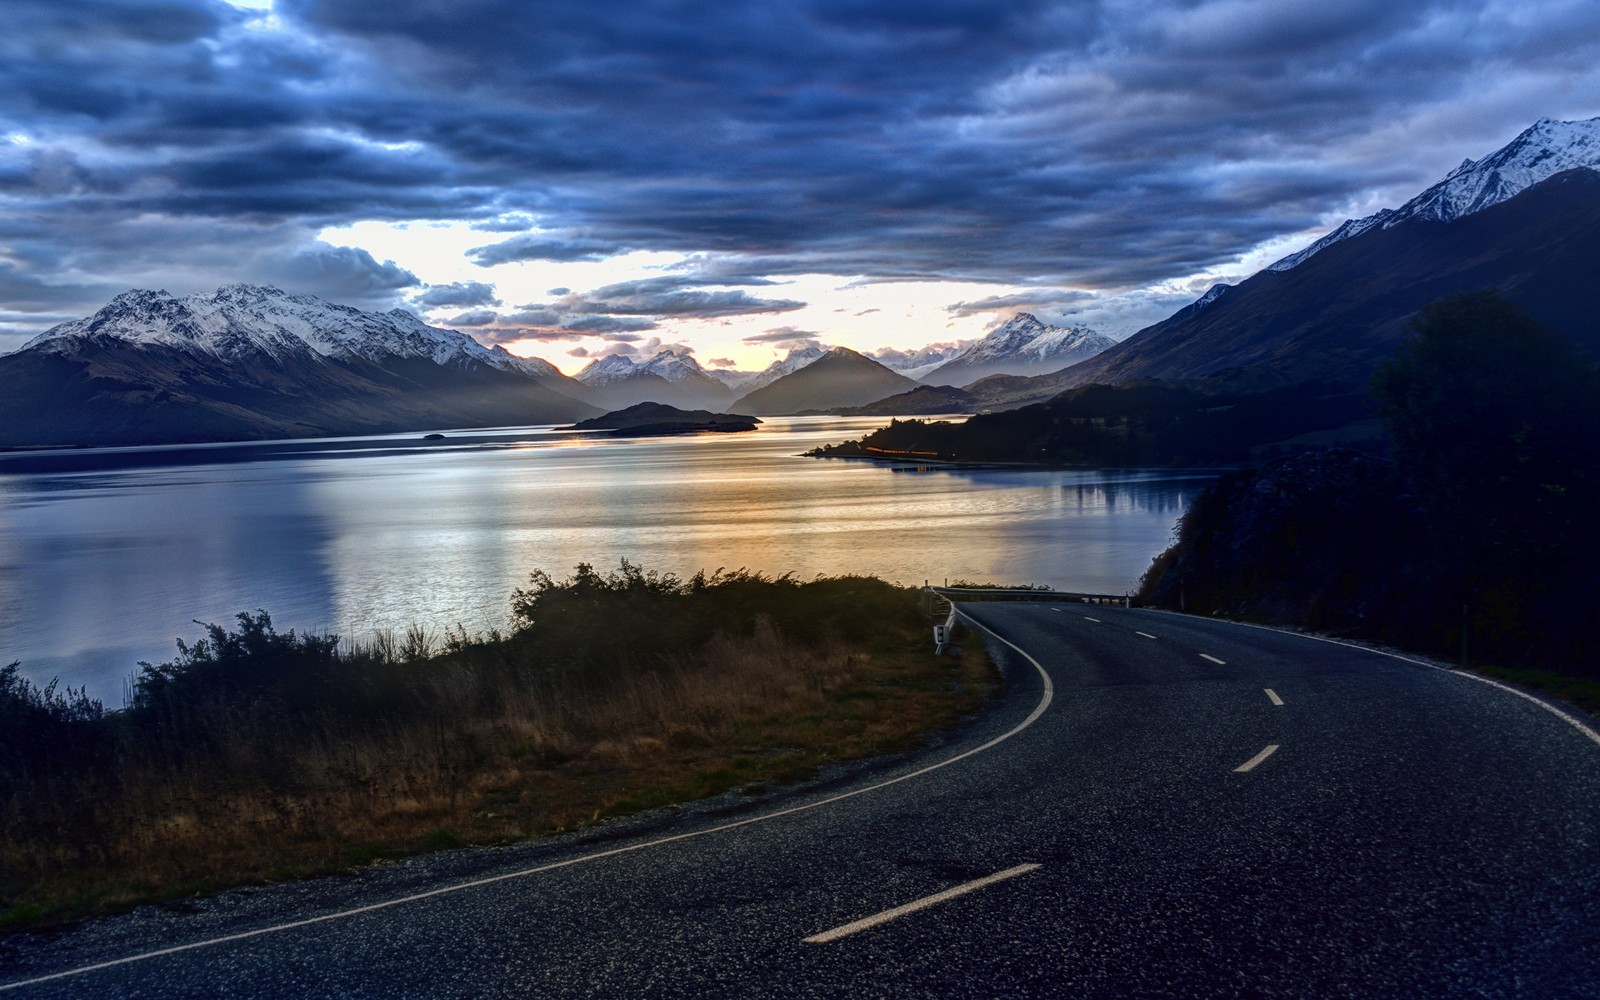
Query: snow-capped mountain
[[252, 361], [681, 368], [1212, 294], [606, 370], [923, 358], [674, 366], [1021, 346], [796, 359], [671, 377], [535, 368], [1544, 149], [241, 322]]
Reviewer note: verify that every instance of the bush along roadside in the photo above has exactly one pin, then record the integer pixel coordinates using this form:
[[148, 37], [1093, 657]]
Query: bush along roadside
[[256, 755]]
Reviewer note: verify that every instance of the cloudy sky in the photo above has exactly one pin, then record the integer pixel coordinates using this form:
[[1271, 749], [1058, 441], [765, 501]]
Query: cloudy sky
[[575, 178]]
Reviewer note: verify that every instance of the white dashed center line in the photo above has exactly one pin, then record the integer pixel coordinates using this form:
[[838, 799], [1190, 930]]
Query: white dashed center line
[[1088, 619], [1272, 696], [1147, 635], [1213, 659], [1250, 765], [845, 930]]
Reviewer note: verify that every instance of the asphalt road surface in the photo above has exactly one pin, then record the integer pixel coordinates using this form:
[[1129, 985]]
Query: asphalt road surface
[[1156, 806]]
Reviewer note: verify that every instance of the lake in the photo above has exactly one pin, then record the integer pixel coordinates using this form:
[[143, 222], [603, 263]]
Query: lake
[[107, 556]]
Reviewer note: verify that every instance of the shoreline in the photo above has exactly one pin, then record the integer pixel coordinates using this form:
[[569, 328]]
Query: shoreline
[[266, 791]]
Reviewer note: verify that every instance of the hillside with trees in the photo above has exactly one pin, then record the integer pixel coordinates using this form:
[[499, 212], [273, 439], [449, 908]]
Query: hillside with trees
[[1475, 539], [1144, 423]]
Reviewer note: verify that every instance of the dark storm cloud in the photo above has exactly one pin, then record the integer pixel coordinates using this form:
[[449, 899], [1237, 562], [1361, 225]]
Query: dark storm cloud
[[29, 306], [535, 314], [608, 325], [1024, 301], [676, 296], [1100, 145], [632, 346], [340, 272], [473, 317], [513, 334], [542, 247], [457, 293], [781, 335], [786, 338]]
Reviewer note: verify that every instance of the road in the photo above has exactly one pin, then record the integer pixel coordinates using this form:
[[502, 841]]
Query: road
[[1117, 825]]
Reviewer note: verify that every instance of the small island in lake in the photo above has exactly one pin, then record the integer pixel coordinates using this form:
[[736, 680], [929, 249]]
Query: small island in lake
[[654, 419]]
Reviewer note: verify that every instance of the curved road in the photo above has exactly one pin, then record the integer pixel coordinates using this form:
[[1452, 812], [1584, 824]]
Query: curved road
[[1116, 826]]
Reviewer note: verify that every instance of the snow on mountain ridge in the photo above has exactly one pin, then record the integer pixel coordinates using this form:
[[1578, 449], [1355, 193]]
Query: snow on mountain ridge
[[1024, 340], [1008, 340], [674, 366], [927, 357], [1544, 149], [796, 359], [604, 371], [238, 321], [1060, 340]]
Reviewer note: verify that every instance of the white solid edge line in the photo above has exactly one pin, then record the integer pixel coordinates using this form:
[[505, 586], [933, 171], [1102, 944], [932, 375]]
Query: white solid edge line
[[1272, 696], [856, 926], [1213, 659], [1570, 720], [1044, 703], [1250, 765]]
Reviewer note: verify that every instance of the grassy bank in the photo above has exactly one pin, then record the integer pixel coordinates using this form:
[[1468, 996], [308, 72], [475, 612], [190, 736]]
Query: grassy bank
[[1579, 692], [257, 756]]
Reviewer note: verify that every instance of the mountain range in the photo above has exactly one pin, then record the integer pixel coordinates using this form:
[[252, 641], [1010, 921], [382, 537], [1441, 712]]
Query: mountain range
[[250, 362], [673, 378], [1020, 346]]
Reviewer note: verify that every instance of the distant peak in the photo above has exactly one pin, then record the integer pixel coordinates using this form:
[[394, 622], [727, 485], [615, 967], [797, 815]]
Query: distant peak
[[143, 295], [1021, 321]]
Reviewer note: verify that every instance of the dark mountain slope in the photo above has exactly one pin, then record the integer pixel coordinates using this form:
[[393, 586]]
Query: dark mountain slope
[[120, 393], [1342, 311], [840, 377], [254, 362]]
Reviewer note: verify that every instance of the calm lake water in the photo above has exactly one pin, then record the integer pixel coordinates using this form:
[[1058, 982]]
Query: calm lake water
[[107, 557]]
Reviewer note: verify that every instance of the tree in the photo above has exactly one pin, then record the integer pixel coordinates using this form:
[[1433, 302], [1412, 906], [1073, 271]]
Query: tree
[[1495, 424]]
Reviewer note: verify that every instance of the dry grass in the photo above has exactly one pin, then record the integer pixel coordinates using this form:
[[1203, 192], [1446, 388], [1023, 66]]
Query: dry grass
[[502, 756]]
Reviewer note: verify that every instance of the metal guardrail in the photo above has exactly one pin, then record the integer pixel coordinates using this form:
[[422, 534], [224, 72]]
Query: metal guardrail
[[999, 594], [942, 633]]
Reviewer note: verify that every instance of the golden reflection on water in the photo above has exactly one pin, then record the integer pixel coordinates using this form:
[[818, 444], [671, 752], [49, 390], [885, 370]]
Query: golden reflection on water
[[103, 569]]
